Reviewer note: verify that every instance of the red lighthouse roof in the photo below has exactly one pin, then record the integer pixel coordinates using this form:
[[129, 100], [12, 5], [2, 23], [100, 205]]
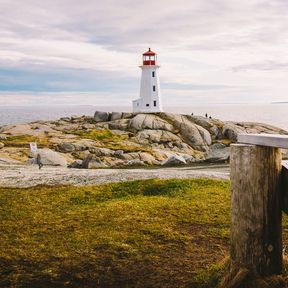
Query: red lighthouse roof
[[149, 58], [149, 53]]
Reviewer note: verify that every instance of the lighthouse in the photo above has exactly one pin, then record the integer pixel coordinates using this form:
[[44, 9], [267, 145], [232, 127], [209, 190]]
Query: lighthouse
[[150, 94]]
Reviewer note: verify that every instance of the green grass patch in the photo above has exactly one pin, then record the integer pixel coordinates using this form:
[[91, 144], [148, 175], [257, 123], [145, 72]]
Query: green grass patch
[[24, 140], [101, 135], [109, 140], [127, 148], [150, 233]]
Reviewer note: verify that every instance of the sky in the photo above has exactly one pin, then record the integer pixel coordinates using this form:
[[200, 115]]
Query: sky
[[63, 52]]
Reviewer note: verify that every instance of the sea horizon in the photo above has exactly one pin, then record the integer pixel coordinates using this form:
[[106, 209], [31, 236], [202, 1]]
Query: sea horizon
[[269, 113]]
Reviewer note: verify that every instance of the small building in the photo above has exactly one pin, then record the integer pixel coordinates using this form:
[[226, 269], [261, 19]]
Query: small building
[[150, 94]]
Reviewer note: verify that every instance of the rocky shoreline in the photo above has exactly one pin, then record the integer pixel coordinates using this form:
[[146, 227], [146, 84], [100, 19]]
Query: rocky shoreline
[[124, 140]]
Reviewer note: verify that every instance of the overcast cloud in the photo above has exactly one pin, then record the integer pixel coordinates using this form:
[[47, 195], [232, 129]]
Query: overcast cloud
[[210, 51]]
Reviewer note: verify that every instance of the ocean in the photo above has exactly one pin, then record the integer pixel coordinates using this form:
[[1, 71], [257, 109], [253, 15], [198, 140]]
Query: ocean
[[274, 114]]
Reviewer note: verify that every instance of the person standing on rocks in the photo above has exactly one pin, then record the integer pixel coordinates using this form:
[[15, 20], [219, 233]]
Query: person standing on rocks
[[39, 161]]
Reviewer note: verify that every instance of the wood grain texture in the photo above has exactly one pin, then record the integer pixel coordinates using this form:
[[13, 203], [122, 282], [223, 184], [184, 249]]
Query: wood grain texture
[[256, 240], [284, 187]]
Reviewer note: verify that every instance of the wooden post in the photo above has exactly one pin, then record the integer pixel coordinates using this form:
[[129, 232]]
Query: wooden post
[[256, 240], [284, 187]]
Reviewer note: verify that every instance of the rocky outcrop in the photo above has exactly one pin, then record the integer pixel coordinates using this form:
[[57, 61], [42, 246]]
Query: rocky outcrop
[[218, 152], [174, 160], [231, 130], [119, 124], [76, 164], [194, 135], [101, 116], [66, 147], [147, 136], [127, 139], [50, 157], [149, 121], [116, 116]]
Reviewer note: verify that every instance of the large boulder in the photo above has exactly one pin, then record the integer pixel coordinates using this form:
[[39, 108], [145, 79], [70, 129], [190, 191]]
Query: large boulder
[[118, 153], [87, 160], [174, 160], [100, 116], [101, 151], [130, 156], [38, 128], [66, 127], [212, 125], [50, 157], [113, 161], [231, 131], [147, 158], [149, 121], [76, 164], [193, 134], [252, 127], [127, 115], [116, 116], [92, 162], [66, 147], [85, 144], [121, 124], [87, 126], [188, 158], [135, 163], [147, 136], [218, 152]]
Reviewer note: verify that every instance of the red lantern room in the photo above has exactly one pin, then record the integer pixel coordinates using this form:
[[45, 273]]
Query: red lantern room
[[149, 58]]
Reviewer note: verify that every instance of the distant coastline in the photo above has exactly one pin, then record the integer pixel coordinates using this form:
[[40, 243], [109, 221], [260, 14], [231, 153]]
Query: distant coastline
[[274, 113]]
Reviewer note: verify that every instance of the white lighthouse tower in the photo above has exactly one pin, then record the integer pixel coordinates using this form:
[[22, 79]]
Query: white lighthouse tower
[[150, 94]]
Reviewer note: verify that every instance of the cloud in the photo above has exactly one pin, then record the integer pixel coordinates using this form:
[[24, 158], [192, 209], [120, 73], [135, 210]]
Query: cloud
[[262, 66], [90, 46]]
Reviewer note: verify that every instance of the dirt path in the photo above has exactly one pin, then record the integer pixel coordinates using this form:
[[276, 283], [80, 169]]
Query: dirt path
[[25, 176]]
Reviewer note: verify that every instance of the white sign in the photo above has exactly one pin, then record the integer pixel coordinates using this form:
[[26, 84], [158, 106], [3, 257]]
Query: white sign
[[33, 147]]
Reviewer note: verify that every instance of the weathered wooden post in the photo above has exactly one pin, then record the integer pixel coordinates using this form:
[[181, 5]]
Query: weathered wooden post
[[284, 187], [256, 240]]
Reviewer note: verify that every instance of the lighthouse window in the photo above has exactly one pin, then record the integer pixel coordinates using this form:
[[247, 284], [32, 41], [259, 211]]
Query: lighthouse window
[[154, 103], [147, 105], [153, 73], [154, 88]]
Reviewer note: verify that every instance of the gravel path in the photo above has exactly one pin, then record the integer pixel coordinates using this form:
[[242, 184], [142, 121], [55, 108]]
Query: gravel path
[[25, 176]]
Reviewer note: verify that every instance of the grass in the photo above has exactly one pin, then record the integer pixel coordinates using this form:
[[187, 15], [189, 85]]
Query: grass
[[148, 233], [109, 140], [24, 140], [102, 135]]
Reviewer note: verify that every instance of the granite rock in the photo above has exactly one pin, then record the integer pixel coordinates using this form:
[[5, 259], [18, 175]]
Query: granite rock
[[101, 116]]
